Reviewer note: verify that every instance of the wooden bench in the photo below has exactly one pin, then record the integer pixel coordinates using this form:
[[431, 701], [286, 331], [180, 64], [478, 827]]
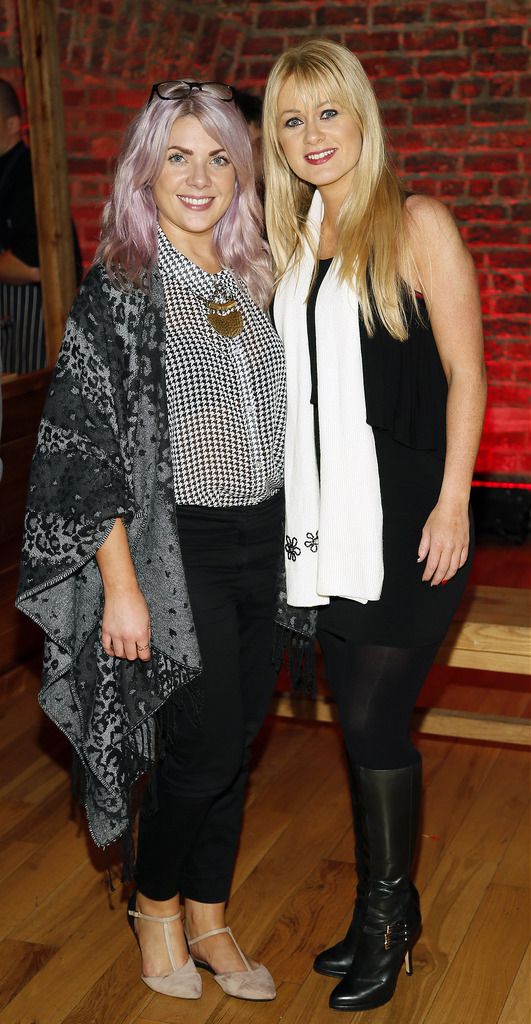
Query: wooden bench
[[491, 631]]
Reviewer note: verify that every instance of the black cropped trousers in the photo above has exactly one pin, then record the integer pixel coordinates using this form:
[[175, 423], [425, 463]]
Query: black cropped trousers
[[189, 845]]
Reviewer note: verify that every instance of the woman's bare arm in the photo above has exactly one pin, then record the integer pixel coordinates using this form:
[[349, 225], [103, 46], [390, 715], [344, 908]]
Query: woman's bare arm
[[448, 282], [125, 625], [15, 271]]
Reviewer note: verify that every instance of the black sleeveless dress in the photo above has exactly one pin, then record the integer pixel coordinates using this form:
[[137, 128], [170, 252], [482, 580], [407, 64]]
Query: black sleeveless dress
[[405, 396]]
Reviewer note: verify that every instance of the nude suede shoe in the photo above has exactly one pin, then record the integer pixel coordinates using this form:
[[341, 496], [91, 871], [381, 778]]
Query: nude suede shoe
[[182, 982], [253, 983]]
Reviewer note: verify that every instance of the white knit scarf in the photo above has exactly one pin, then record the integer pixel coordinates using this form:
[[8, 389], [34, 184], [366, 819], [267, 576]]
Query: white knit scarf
[[333, 530]]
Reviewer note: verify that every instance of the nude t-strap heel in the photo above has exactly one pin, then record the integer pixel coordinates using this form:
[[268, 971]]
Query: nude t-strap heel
[[252, 983], [183, 982]]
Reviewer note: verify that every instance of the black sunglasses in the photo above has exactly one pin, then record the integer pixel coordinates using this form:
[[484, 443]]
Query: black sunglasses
[[181, 89]]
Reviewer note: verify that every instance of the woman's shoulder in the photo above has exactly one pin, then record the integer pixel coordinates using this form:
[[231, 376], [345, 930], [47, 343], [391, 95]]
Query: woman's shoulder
[[106, 318], [95, 286], [112, 296], [433, 238], [431, 227], [99, 278], [427, 216]]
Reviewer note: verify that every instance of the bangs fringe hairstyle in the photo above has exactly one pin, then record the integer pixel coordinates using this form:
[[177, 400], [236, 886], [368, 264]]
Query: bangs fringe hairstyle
[[128, 245], [372, 248]]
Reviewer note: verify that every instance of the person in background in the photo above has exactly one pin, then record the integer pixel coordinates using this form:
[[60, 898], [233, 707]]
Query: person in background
[[21, 320], [154, 524], [1, 417], [379, 310], [22, 343], [251, 108]]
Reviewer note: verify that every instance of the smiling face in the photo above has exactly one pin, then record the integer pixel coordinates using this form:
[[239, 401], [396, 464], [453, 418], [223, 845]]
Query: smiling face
[[321, 142], [195, 186]]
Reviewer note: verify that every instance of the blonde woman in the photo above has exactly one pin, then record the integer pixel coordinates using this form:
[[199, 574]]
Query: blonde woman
[[379, 311]]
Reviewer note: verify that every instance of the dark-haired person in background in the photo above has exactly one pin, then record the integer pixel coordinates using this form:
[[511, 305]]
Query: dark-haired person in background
[[251, 108], [22, 345]]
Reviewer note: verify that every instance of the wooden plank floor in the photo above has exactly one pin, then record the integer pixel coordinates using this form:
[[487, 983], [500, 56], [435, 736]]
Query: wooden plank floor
[[67, 957]]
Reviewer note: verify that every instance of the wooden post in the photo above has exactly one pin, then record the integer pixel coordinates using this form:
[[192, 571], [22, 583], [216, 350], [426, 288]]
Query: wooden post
[[40, 54]]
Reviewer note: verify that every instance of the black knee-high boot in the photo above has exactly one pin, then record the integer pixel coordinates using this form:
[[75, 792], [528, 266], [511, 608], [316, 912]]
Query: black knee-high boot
[[389, 807], [338, 959]]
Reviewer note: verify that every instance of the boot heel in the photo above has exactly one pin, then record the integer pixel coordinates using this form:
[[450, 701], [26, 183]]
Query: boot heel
[[389, 802]]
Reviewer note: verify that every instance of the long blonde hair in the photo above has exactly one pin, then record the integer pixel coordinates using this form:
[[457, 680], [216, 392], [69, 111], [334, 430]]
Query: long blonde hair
[[372, 247]]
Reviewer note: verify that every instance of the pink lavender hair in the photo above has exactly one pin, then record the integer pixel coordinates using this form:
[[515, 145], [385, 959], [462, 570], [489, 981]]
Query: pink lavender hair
[[128, 246]]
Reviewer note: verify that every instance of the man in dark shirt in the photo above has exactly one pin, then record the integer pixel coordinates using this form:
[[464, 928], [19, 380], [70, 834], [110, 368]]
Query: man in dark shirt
[[22, 345]]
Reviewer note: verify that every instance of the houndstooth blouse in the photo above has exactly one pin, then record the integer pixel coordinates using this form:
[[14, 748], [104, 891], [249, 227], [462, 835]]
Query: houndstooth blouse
[[226, 396]]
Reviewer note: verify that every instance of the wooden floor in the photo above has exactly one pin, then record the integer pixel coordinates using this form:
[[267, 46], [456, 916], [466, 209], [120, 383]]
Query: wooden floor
[[67, 957]]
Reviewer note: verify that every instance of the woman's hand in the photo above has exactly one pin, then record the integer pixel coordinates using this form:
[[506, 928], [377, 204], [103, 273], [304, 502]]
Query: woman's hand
[[125, 628], [444, 543]]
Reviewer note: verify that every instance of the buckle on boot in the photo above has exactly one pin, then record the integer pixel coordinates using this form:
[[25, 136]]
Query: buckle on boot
[[389, 931]]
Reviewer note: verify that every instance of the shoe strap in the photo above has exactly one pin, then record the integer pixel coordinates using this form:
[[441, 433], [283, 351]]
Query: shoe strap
[[149, 917], [164, 921], [220, 931], [206, 935]]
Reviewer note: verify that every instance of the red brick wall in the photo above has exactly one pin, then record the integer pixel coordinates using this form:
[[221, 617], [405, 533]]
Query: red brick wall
[[453, 79]]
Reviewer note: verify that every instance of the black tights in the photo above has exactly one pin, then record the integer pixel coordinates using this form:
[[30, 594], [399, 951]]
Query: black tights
[[375, 689]]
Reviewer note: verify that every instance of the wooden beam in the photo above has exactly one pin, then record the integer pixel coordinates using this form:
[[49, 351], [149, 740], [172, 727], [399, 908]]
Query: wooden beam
[[433, 721], [491, 630], [488, 660], [508, 606], [473, 725], [40, 54]]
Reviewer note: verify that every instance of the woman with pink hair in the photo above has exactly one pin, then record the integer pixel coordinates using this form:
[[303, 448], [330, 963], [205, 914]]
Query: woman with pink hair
[[154, 524]]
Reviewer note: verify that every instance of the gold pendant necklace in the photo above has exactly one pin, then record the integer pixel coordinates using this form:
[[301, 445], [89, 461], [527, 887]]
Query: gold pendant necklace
[[225, 318]]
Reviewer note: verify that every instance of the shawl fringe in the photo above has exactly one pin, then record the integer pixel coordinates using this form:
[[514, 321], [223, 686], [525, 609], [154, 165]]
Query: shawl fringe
[[143, 751], [296, 651]]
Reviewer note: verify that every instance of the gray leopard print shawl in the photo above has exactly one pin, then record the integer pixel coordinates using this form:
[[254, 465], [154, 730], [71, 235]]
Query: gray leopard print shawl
[[102, 452]]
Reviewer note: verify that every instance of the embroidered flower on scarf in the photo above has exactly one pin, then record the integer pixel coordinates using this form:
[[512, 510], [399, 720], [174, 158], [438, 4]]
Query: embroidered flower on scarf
[[312, 541], [292, 548]]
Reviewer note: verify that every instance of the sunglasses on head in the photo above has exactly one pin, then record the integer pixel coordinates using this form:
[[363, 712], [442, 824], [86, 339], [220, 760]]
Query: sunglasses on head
[[181, 89]]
